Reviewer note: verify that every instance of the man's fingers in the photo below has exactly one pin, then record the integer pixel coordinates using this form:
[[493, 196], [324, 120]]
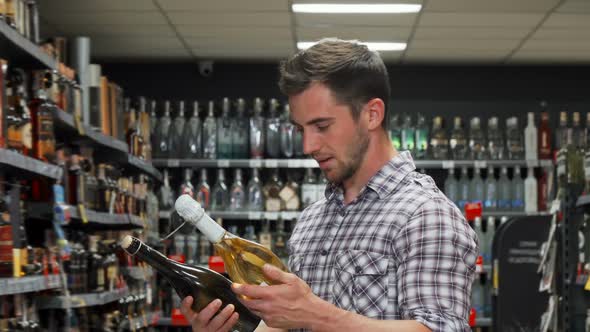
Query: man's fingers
[[230, 323], [253, 304], [221, 317], [185, 308], [250, 291], [277, 274], [205, 315]]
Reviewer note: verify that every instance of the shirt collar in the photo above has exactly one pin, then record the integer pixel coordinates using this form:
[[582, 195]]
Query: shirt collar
[[385, 180]]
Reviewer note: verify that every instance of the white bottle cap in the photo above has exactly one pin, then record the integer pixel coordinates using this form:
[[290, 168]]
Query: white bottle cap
[[192, 212]]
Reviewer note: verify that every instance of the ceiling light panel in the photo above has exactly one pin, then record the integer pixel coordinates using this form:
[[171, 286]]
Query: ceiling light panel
[[346, 8]]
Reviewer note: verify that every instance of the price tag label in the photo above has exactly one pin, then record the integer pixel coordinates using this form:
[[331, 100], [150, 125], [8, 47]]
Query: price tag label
[[294, 163], [480, 164], [223, 163], [271, 215], [82, 212], [448, 164], [272, 163], [255, 163], [173, 163]]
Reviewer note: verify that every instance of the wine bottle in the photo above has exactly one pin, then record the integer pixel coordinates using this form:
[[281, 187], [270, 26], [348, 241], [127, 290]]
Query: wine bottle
[[243, 259], [202, 284]]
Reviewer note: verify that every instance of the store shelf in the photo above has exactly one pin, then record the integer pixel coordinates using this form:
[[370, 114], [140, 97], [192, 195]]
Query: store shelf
[[246, 215], [20, 51], [15, 163], [151, 319], [143, 166], [138, 272], [29, 284], [513, 214], [167, 321], [80, 300], [483, 322]]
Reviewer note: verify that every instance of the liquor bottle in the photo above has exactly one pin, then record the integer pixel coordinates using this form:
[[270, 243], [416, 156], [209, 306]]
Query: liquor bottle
[[488, 240], [237, 198], [3, 109], [289, 195], [257, 132], [243, 259], [250, 233], [308, 188], [143, 146], [562, 132], [477, 141], [153, 126], [287, 131], [255, 196], [531, 138], [321, 186], [463, 189], [504, 191], [587, 133], [517, 191], [408, 134], [544, 138], [186, 187], [210, 134], [192, 249], [458, 141], [478, 228], [478, 296], [166, 196], [530, 192], [265, 236], [224, 134], [496, 144], [476, 187], [192, 147], [202, 284], [395, 134], [421, 141], [42, 127], [95, 272], [451, 186], [514, 139], [129, 125], [439, 144], [18, 116], [279, 245], [273, 136], [298, 143], [220, 194], [175, 134], [578, 138], [491, 191], [203, 190], [271, 190], [239, 131], [162, 149]]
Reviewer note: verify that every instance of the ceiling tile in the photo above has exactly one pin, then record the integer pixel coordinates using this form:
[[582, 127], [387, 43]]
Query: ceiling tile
[[567, 21], [64, 6], [360, 33], [453, 55], [505, 6], [483, 45], [575, 7], [154, 54], [134, 43], [479, 20], [215, 31], [107, 18], [243, 53], [562, 34], [118, 30], [230, 19], [555, 45], [551, 57], [239, 43], [328, 20], [226, 5], [470, 33]]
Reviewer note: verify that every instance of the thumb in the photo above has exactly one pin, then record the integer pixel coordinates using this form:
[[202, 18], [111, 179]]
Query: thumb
[[276, 274]]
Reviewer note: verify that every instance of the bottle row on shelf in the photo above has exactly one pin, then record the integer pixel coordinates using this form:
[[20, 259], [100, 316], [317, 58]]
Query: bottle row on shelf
[[23, 16]]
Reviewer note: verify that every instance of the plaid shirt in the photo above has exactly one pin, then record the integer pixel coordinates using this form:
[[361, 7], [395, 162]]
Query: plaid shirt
[[400, 250]]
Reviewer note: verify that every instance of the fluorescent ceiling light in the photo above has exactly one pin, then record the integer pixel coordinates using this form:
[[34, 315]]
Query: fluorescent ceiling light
[[326, 8], [373, 46]]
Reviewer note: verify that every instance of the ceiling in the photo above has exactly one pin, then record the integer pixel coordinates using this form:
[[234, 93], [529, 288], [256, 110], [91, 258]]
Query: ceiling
[[457, 31]]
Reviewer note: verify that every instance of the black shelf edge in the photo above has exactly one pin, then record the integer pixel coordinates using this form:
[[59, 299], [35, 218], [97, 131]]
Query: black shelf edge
[[138, 272], [80, 300], [18, 50], [145, 167], [13, 162], [28, 284], [311, 163]]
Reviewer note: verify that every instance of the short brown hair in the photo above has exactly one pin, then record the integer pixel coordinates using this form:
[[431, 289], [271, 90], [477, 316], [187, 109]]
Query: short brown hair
[[349, 69]]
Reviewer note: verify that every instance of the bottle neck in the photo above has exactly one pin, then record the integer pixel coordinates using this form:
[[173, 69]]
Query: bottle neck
[[155, 259]]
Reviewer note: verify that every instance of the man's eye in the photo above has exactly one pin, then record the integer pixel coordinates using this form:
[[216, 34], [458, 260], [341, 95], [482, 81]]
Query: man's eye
[[322, 127]]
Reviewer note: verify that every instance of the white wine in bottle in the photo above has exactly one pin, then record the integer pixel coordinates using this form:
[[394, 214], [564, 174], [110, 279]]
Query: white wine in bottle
[[202, 284], [243, 259]]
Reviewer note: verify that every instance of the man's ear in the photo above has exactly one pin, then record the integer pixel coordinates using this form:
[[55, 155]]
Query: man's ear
[[376, 110]]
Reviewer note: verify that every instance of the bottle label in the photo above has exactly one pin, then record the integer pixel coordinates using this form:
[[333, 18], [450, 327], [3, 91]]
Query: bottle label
[[265, 240], [273, 204], [308, 194], [517, 203]]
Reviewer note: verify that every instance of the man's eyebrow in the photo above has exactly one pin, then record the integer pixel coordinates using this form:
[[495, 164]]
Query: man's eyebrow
[[313, 121]]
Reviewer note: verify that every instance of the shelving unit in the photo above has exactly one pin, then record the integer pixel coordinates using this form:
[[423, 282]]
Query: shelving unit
[[81, 300], [151, 319], [9, 286], [19, 50], [14, 163]]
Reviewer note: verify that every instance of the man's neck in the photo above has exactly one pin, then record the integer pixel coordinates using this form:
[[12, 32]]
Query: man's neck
[[378, 154]]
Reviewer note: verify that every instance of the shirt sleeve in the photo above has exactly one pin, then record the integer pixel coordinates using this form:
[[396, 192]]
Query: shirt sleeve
[[436, 250]]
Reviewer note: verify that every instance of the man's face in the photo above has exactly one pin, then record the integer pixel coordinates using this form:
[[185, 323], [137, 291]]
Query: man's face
[[331, 135]]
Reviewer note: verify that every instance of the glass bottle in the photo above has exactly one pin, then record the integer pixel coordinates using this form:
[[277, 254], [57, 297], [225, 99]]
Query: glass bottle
[[162, 132], [476, 188], [544, 142], [255, 196], [271, 190], [530, 138], [192, 145], [257, 131], [562, 132], [166, 196], [289, 195], [451, 186], [273, 137], [224, 134], [279, 245], [517, 191], [220, 193], [42, 127], [250, 233], [491, 192], [463, 189], [187, 187], [240, 132], [577, 131], [395, 134], [421, 138], [265, 236], [439, 143], [408, 134], [202, 284], [287, 131], [153, 126], [530, 192], [458, 141], [237, 193], [514, 139], [308, 188], [210, 134], [504, 191], [203, 190], [495, 140], [477, 141]]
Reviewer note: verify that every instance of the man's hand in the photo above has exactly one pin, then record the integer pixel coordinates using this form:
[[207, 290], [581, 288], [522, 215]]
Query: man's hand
[[287, 304], [204, 321]]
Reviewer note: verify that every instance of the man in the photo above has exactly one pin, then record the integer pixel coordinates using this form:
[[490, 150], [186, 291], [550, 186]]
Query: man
[[385, 250]]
